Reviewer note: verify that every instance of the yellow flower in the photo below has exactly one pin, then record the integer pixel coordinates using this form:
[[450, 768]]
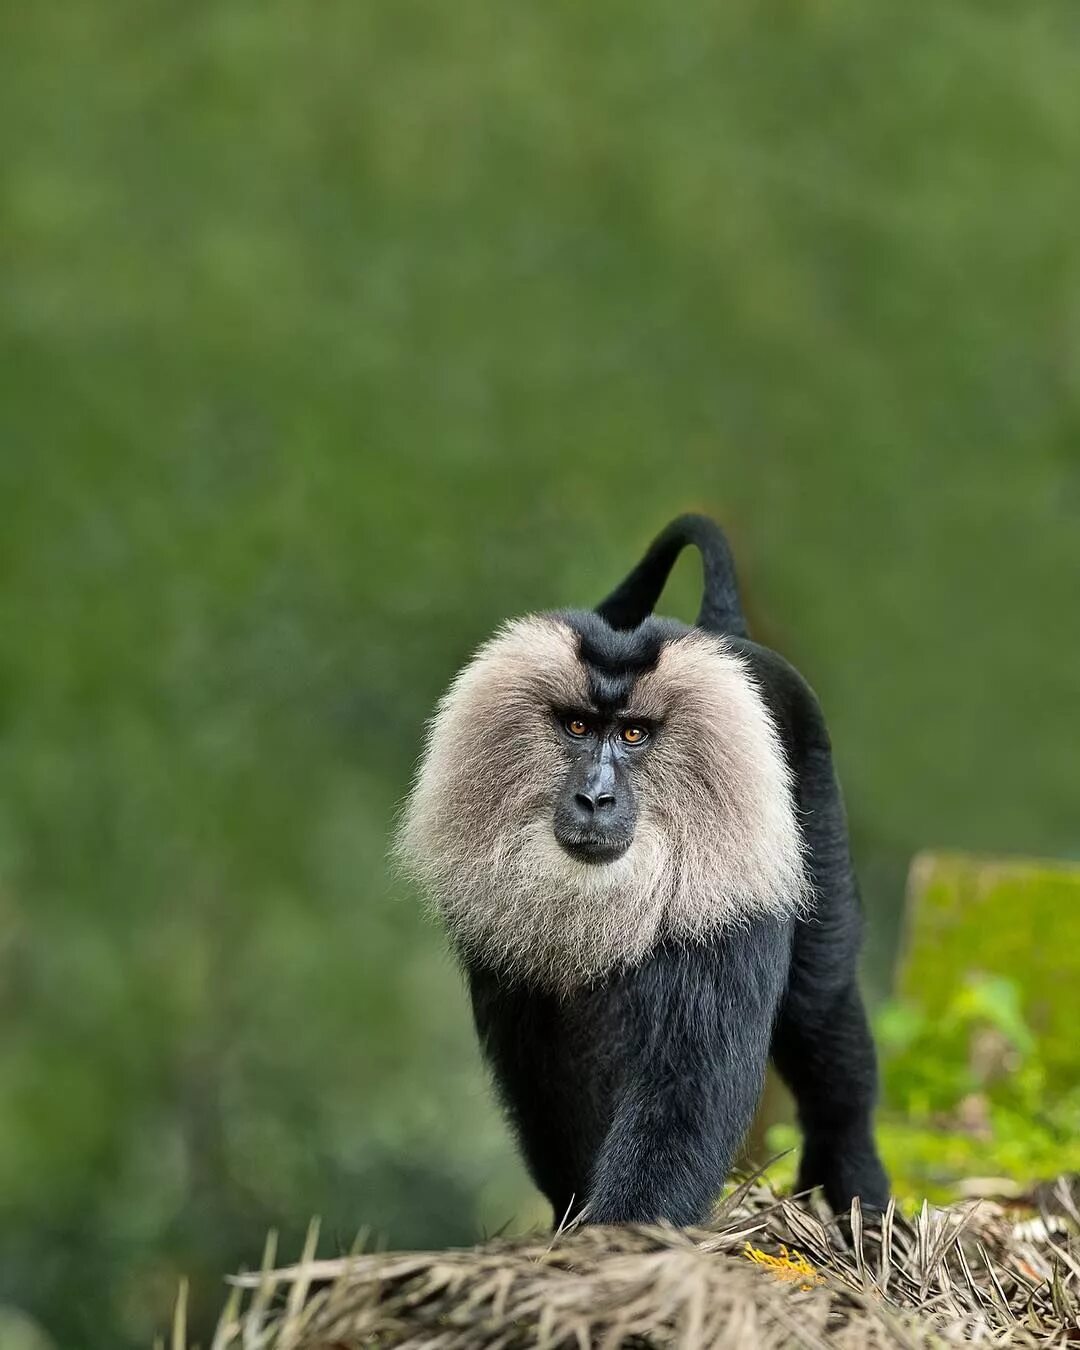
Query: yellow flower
[[789, 1265]]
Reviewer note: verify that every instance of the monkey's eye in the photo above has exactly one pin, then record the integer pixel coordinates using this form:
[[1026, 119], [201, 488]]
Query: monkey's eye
[[576, 727], [634, 735]]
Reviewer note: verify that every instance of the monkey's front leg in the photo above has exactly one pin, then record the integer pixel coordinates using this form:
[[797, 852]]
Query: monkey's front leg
[[696, 1025]]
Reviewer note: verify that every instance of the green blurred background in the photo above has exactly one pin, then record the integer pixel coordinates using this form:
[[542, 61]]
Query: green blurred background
[[332, 334]]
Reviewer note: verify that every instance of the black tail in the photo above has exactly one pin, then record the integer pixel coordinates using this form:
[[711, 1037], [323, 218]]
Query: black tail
[[632, 602]]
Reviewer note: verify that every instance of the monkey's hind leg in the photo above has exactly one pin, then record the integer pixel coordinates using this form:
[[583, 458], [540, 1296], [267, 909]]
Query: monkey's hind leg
[[824, 1052]]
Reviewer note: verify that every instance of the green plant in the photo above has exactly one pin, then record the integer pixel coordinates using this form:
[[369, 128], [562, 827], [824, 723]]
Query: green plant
[[967, 1094]]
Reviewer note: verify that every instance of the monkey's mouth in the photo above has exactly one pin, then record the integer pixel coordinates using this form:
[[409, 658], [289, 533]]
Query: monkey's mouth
[[595, 848]]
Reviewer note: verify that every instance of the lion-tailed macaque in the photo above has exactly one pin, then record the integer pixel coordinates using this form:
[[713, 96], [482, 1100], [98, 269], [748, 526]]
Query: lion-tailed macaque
[[635, 837]]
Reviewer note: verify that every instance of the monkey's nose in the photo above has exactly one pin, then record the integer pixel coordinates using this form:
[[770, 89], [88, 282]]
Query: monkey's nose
[[591, 802]]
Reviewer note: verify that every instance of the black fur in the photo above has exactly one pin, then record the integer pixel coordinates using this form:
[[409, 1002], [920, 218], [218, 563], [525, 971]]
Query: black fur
[[634, 600], [821, 1042], [632, 1097], [615, 657]]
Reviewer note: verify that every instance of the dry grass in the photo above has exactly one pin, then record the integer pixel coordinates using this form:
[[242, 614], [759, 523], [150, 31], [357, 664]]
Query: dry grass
[[975, 1273]]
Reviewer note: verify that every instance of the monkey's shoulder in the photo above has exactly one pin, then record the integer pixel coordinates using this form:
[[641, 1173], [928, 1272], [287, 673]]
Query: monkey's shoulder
[[788, 696]]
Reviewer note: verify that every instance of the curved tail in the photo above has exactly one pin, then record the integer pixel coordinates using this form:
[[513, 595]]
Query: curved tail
[[631, 602]]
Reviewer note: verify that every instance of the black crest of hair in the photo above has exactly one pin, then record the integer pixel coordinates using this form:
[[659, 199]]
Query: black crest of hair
[[631, 1096], [615, 657]]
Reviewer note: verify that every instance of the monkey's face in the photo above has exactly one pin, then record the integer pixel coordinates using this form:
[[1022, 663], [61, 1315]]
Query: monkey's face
[[596, 808], [585, 790]]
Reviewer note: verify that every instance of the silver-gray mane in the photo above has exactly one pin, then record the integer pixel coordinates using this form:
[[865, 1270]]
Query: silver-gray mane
[[717, 839]]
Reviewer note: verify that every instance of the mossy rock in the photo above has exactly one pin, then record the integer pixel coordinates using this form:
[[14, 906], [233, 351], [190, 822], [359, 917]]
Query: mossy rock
[[969, 917]]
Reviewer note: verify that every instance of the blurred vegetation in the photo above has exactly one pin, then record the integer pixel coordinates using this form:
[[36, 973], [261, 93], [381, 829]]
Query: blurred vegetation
[[980, 1053], [330, 336], [1011, 930], [981, 1049]]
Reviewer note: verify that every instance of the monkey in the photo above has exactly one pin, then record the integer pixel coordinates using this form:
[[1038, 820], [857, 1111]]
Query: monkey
[[635, 837]]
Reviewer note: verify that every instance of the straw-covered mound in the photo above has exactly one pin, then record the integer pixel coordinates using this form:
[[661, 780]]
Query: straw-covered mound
[[768, 1273]]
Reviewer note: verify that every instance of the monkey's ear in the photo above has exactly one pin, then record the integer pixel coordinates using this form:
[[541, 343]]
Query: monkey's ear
[[633, 600]]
